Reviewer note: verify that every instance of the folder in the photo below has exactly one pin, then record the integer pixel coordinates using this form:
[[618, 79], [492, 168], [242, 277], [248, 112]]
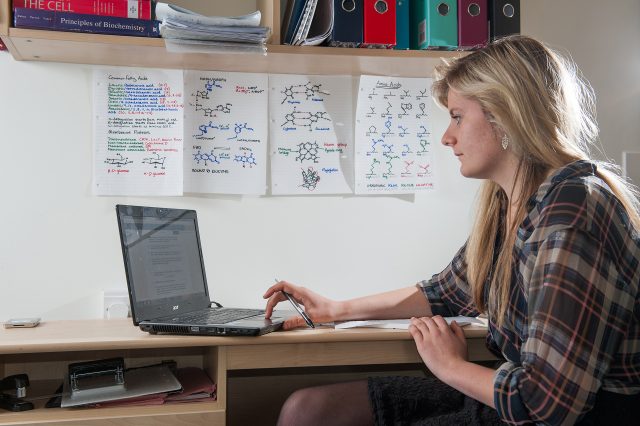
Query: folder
[[402, 24], [348, 22], [379, 23], [434, 24], [504, 18], [473, 24], [292, 16]]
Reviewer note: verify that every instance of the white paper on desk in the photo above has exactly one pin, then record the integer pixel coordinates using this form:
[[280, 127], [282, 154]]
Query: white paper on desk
[[403, 324], [225, 132], [392, 136], [137, 131], [311, 134]]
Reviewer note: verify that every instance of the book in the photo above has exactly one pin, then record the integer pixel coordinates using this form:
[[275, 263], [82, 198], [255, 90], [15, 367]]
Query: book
[[139, 9], [65, 21]]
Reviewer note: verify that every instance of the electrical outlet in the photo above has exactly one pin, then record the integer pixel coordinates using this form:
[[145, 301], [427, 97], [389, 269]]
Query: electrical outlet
[[115, 304]]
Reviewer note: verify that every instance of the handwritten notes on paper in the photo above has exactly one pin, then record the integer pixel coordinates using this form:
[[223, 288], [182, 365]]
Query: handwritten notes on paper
[[225, 131], [138, 132], [161, 132], [392, 134], [311, 134]]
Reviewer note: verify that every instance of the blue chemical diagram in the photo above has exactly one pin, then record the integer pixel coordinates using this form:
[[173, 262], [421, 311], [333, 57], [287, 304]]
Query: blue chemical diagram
[[156, 161], [204, 128], [238, 130], [306, 91], [387, 132], [423, 132], [245, 159], [403, 131], [118, 161], [310, 178], [209, 85], [206, 158]]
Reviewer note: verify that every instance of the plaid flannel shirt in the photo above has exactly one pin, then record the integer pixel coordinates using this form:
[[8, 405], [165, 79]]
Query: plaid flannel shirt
[[573, 320]]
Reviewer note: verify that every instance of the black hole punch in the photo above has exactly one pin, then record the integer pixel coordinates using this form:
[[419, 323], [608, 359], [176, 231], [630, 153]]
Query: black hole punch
[[443, 9], [474, 9], [508, 10], [348, 5], [381, 6]]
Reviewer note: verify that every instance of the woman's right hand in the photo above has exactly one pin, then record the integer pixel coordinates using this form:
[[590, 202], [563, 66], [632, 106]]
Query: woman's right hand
[[318, 308]]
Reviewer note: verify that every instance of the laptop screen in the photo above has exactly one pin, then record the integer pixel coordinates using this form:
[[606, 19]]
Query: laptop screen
[[163, 261]]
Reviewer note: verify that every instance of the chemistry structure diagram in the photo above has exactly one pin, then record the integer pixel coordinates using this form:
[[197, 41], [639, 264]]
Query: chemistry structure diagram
[[307, 142], [393, 135], [220, 141]]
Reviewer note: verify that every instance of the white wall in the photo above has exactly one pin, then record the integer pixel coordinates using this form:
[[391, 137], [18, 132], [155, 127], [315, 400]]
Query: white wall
[[59, 247]]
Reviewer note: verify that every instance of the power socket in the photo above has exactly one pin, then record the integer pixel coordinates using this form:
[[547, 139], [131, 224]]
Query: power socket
[[115, 304]]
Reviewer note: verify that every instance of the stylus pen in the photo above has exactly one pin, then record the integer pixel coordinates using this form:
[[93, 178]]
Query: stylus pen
[[298, 308]]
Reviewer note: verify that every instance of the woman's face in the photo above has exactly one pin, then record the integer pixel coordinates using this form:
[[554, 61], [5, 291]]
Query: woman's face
[[472, 138]]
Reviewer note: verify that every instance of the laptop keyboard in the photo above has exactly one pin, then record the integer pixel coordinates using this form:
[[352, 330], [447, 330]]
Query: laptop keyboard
[[220, 316]]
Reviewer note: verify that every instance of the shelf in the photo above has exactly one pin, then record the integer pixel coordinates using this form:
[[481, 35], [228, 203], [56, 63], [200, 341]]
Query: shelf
[[211, 413], [98, 49]]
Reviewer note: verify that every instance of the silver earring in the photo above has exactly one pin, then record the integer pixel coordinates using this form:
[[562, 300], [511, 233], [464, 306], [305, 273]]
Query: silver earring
[[505, 141]]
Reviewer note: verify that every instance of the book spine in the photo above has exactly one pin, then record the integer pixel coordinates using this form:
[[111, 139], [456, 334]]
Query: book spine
[[63, 21], [140, 9]]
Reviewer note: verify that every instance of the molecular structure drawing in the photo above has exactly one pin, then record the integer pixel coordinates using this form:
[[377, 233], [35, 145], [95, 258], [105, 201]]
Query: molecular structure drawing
[[424, 147], [307, 151], [303, 119], [119, 161], [204, 94], [310, 178], [245, 159], [308, 91], [374, 142], [155, 161], [204, 128], [206, 158], [238, 130]]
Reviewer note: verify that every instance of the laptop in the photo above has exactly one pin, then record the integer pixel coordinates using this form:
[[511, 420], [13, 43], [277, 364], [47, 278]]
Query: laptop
[[166, 277]]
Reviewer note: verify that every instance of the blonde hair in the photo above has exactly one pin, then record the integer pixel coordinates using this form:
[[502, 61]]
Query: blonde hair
[[537, 98]]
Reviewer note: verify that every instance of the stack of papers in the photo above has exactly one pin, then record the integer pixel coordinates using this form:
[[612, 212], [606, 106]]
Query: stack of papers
[[187, 31], [403, 324]]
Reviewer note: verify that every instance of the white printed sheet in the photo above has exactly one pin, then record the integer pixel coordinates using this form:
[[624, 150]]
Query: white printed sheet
[[311, 134], [392, 136], [137, 132]]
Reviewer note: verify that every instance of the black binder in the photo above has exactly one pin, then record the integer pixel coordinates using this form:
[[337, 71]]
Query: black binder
[[504, 18], [348, 23]]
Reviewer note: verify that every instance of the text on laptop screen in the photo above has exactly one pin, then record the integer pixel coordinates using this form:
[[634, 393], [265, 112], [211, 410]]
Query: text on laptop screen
[[164, 259]]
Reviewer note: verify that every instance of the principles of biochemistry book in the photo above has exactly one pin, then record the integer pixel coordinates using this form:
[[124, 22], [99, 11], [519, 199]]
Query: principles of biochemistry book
[[63, 21], [139, 9]]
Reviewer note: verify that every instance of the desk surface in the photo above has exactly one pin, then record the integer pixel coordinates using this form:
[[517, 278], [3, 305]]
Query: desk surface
[[63, 336]]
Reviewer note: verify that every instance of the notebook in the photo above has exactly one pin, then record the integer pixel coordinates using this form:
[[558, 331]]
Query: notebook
[[166, 277]]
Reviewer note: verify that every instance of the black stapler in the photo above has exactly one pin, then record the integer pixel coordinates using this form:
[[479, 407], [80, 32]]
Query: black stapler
[[19, 383]]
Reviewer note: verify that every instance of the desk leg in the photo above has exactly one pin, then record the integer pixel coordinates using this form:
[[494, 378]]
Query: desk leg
[[215, 363]]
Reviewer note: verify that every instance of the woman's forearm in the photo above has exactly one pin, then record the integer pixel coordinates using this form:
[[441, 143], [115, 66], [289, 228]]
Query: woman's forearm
[[402, 303]]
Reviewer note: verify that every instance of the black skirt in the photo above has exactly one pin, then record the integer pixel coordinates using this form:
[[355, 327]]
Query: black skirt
[[401, 401]]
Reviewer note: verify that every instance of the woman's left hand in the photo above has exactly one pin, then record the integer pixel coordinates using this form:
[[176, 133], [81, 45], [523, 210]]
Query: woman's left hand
[[441, 347]]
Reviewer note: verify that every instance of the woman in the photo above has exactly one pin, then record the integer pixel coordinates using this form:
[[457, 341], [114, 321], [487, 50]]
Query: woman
[[553, 260]]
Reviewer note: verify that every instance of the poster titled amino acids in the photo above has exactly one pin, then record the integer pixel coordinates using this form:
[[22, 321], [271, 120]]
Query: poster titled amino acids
[[225, 132], [311, 134], [392, 135]]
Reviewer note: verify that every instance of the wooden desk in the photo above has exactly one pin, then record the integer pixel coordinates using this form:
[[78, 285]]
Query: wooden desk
[[45, 351]]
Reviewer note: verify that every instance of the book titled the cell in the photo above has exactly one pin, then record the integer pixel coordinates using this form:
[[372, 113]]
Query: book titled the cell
[[64, 21], [139, 9]]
